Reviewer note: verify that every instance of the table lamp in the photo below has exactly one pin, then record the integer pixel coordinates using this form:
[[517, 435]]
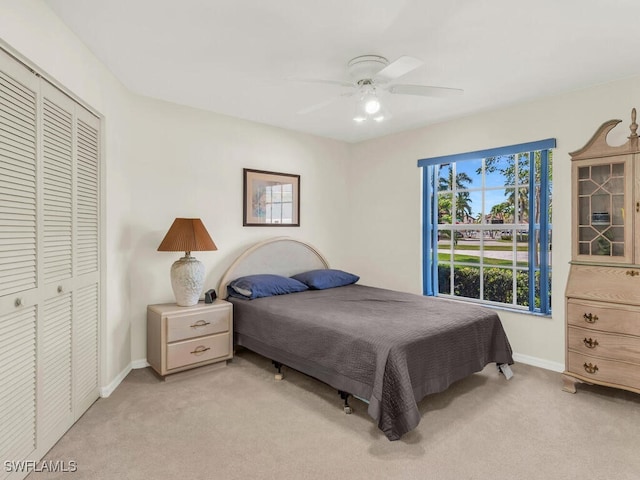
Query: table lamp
[[187, 274]]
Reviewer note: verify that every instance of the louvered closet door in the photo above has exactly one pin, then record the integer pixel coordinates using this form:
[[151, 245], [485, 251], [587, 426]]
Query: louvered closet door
[[68, 334], [49, 263], [86, 312], [55, 406], [18, 261]]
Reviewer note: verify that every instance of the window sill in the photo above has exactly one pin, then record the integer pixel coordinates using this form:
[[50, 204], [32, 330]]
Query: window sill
[[496, 306]]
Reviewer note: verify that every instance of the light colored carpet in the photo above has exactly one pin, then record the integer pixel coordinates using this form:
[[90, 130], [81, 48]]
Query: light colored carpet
[[238, 423]]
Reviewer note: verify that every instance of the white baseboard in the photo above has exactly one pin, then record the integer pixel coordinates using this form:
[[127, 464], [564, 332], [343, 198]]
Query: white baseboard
[[142, 363], [109, 389], [539, 362]]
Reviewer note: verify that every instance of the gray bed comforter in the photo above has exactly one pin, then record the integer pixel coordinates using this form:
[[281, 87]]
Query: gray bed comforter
[[390, 348]]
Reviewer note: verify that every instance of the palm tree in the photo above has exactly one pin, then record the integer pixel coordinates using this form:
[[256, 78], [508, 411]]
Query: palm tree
[[503, 211], [522, 197], [509, 174], [463, 198]]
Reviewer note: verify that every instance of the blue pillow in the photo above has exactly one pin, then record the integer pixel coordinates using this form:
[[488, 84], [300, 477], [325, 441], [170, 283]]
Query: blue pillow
[[263, 285], [326, 278]]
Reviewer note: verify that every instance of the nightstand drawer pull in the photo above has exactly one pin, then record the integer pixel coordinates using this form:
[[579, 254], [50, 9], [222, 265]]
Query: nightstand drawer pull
[[589, 368], [200, 350], [590, 343], [632, 273], [200, 323], [187, 325], [589, 318]]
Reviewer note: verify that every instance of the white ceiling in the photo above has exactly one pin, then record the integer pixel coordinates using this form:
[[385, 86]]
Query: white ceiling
[[237, 57]]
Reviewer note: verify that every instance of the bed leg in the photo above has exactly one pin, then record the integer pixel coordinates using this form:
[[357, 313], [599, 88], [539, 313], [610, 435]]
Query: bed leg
[[278, 365], [345, 396]]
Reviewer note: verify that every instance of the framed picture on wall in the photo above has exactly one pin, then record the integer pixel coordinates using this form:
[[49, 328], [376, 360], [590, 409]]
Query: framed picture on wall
[[270, 199]]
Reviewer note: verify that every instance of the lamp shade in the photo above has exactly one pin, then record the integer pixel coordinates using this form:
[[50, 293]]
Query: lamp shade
[[187, 235], [187, 274]]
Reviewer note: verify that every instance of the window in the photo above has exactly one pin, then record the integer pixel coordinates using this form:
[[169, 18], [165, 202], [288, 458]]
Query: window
[[279, 203], [487, 226]]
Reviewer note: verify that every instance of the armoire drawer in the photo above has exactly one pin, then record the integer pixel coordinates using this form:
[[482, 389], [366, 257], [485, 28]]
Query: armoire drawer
[[593, 342], [602, 370], [604, 317]]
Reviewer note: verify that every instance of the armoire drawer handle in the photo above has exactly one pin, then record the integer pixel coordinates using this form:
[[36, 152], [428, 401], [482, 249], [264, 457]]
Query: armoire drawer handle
[[200, 323], [200, 350], [589, 368], [632, 273], [589, 318], [590, 343]]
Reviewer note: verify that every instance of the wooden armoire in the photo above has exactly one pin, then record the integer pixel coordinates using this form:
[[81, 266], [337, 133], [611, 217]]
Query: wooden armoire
[[603, 290]]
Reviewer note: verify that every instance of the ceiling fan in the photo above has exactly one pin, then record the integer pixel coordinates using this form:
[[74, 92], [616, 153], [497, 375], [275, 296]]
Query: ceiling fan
[[371, 74]]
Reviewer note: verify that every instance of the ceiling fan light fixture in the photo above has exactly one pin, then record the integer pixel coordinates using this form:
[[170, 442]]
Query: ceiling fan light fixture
[[369, 107], [371, 104]]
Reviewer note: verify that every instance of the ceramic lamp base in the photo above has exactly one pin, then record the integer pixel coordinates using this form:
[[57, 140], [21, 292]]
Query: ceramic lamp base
[[187, 279]]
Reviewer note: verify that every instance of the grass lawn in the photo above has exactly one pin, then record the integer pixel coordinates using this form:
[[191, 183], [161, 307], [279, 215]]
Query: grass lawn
[[445, 258], [521, 247]]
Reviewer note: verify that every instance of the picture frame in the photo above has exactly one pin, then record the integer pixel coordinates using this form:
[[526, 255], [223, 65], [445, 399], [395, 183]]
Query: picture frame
[[270, 199]]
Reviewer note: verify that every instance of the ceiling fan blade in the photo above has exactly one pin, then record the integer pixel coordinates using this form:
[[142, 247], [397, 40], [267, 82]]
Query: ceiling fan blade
[[425, 91], [321, 105], [398, 68], [339, 83]]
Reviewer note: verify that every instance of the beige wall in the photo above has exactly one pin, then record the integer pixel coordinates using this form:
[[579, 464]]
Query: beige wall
[[163, 161], [188, 162], [360, 203], [389, 232]]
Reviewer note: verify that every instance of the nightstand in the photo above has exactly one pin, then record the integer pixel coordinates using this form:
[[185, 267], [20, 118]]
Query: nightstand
[[181, 338]]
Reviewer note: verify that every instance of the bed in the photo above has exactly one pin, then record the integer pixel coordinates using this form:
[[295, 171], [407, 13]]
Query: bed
[[388, 348]]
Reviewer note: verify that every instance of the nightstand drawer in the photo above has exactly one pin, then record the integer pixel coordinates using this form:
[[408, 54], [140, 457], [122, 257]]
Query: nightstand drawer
[[197, 324], [198, 350]]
